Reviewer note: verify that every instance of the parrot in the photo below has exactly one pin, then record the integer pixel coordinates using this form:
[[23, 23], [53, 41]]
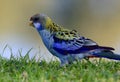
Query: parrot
[[68, 45]]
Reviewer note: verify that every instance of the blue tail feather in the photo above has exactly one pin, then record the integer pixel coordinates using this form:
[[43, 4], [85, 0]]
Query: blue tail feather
[[107, 54]]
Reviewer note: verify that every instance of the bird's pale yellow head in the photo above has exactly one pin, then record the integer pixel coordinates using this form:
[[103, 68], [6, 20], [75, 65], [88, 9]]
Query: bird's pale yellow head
[[40, 21]]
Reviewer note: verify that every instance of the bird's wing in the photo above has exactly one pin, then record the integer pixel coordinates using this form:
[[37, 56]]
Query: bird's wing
[[70, 42]]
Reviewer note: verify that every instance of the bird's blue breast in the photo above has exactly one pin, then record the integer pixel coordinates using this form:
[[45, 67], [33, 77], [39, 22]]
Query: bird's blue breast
[[46, 37]]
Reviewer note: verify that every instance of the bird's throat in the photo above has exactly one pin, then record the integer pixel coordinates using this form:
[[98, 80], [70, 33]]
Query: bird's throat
[[38, 26]]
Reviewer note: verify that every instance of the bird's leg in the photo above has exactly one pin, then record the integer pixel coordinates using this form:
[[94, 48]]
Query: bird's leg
[[64, 62], [71, 59]]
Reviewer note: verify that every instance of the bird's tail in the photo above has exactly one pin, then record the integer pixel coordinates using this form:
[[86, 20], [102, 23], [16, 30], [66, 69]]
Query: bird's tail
[[107, 54]]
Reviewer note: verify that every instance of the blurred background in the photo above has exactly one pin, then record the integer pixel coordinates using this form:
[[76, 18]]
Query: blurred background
[[95, 19]]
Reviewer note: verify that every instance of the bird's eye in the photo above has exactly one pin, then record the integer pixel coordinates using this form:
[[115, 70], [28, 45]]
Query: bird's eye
[[36, 19]]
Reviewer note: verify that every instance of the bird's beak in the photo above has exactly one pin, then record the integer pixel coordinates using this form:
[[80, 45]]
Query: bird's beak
[[31, 24]]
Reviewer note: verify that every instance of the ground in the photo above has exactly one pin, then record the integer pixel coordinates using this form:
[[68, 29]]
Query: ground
[[23, 69]]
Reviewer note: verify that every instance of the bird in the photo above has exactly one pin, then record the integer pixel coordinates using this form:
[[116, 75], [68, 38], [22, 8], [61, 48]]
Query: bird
[[68, 45]]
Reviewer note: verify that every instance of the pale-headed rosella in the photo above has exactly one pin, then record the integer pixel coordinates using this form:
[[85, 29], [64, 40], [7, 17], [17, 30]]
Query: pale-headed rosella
[[66, 44]]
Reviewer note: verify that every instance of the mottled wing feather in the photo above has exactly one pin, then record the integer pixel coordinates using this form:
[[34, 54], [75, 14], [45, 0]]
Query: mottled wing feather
[[69, 42]]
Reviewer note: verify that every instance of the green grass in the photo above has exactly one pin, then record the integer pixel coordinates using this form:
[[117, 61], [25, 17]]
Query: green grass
[[23, 69]]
